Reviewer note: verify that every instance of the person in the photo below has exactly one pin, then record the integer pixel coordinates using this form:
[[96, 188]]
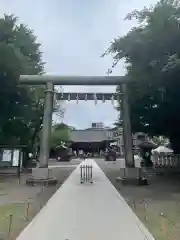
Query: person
[[81, 153], [114, 155]]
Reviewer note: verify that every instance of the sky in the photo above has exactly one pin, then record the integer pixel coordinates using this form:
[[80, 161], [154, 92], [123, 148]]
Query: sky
[[74, 34]]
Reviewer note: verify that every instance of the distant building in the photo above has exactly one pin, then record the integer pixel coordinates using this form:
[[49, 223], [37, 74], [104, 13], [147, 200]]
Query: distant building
[[97, 125], [90, 140], [99, 137], [96, 139]]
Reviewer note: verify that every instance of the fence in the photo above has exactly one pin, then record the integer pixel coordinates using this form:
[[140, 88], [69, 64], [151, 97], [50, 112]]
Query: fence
[[166, 163]]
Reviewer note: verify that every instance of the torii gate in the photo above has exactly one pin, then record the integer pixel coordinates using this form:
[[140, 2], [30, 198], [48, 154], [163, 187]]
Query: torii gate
[[50, 80]]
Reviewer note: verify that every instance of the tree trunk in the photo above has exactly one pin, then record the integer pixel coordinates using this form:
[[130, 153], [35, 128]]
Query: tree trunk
[[35, 134], [25, 158], [175, 142]]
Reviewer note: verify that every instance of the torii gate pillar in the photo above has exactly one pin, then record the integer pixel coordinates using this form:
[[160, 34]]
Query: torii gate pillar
[[47, 126]]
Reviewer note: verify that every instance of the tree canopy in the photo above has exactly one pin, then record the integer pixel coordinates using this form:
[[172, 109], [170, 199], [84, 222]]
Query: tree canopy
[[60, 133], [152, 55], [21, 108]]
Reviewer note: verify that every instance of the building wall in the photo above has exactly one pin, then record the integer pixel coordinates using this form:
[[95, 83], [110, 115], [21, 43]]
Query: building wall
[[97, 125]]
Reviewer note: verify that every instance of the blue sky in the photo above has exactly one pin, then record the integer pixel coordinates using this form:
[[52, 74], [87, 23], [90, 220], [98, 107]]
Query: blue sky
[[73, 34]]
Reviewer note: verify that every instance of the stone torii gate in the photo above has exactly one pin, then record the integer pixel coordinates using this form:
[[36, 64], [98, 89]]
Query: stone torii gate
[[42, 173]]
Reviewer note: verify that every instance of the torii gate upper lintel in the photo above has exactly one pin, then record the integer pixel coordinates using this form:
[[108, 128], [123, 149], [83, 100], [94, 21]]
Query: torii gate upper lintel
[[51, 80], [72, 80]]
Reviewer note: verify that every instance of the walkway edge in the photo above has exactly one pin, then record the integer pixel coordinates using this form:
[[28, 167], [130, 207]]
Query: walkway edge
[[141, 226], [33, 221]]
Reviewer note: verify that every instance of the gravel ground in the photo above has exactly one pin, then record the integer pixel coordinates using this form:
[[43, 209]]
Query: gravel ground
[[157, 205], [23, 201]]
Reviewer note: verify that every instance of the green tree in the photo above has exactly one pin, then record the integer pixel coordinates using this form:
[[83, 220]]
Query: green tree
[[60, 132], [160, 140], [21, 108], [152, 52]]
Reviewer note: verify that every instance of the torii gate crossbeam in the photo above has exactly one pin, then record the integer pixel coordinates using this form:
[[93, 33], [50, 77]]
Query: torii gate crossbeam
[[72, 80]]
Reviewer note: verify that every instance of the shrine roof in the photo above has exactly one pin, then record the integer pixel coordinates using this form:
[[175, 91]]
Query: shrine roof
[[89, 135]]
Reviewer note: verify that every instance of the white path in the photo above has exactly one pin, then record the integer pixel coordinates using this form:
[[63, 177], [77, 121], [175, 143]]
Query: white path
[[62, 166], [86, 212]]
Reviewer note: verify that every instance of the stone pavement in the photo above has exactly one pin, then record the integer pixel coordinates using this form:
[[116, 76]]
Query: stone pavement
[[86, 212]]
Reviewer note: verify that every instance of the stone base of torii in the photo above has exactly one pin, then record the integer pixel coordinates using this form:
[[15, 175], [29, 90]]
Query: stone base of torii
[[41, 176]]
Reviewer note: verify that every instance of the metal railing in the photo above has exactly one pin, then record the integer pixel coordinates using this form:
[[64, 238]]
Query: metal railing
[[86, 173]]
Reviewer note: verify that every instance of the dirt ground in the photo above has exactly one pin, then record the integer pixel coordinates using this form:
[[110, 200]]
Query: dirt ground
[[19, 203], [157, 205]]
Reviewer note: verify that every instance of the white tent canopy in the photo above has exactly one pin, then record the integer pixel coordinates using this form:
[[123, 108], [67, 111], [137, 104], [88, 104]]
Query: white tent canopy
[[113, 144], [162, 149]]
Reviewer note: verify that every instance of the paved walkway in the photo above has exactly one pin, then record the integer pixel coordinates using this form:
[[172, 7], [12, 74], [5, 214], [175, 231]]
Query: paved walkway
[[86, 212]]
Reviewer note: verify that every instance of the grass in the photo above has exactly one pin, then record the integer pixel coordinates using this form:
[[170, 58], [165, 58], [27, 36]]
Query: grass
[[163, 226], [19, 211], [161, 213], [12, 219]]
